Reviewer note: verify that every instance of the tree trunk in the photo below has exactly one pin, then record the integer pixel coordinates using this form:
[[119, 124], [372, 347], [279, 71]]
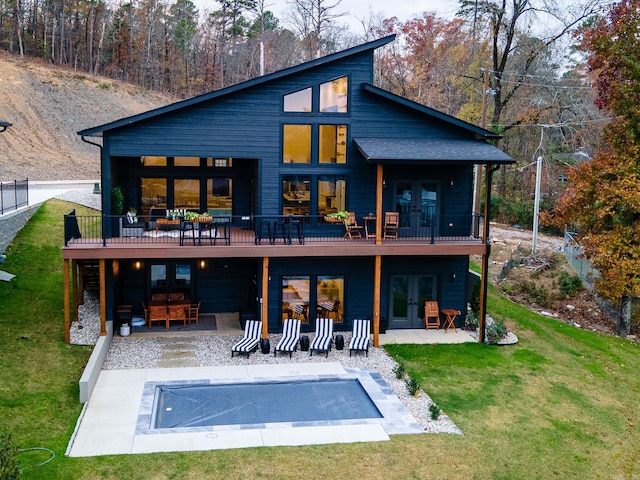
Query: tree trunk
[[624, 317]]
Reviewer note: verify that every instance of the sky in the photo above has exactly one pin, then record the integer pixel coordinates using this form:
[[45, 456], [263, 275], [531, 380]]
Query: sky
[[403, 9]]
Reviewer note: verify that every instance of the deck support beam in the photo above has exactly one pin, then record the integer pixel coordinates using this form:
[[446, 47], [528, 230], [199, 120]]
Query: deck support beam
[[264, 301], [103, 299], [379, 217], [67, 298], [376, 300]]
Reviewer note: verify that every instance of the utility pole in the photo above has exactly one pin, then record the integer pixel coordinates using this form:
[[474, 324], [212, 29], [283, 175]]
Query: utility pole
[[536, 206]]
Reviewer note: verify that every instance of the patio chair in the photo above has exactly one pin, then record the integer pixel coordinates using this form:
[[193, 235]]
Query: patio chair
[[431, 311], [249, 342], [178, 312], [391, 224], [353, 230], [194, 312], [290, 337], [158, 313], [360, 337], [324, 336]]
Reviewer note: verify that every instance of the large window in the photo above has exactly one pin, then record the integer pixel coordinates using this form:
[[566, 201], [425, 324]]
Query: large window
[[301, 301], [332, 144], [298, 101], [154, 194], [186, 161], [296, 144], [296, 193], [331, 194], [153, 161], [333, 95], [186, 193], [219, 196]]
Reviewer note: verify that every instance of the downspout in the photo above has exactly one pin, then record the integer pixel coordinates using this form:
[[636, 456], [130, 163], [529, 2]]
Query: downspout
[[485, 258]]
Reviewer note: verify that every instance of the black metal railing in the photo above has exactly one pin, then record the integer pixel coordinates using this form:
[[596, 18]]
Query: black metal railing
[[14, 195], [263, 230]]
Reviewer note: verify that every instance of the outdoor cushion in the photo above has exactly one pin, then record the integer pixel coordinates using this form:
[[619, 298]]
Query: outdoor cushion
[[249, 342], [360, 338], [324, 336]]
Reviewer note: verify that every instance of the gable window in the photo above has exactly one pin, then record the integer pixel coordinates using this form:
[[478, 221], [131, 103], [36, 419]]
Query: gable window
[[333, 144], [296, 144], [333, 95], [298, 101], [296, 193]]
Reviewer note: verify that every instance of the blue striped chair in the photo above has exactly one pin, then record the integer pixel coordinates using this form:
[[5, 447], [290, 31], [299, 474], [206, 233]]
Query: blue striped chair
[[324, 336], [290, 337], [249, 342], [360, 338]]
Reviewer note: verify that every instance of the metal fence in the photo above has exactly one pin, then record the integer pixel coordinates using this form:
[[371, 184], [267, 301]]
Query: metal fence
[[14, 195], [574, 254]]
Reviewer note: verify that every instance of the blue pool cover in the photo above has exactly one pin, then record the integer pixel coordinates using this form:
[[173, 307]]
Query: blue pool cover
[[179, 406]]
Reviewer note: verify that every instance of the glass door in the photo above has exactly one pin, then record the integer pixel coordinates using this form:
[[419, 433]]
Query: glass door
[[416, 201], [408, 294]]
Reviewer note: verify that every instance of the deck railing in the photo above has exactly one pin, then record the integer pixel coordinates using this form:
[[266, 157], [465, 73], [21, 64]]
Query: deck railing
[[260, 229], [14, 195]]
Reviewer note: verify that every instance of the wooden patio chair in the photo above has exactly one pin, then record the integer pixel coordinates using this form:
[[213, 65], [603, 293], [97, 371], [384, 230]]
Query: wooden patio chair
[[158, 313], [250, 340], [431, 311], [391, 224], [360, 337], [177, 312], [353, 230], [324, 337], [194, 312]]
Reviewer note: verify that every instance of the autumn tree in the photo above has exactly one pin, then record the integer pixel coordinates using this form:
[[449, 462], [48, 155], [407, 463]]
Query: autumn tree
[[603, 202]]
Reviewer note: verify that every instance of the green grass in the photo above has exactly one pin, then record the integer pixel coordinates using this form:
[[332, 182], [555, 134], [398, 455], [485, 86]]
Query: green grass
[[562, 403]]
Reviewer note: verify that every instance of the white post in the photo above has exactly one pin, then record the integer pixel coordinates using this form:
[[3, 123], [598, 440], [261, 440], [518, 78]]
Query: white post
[[536, 207]]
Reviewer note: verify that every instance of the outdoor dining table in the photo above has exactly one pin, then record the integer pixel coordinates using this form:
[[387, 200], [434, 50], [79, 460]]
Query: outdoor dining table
[[177, 304]]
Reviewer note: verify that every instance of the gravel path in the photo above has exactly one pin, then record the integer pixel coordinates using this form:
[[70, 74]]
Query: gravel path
[[204, 351]]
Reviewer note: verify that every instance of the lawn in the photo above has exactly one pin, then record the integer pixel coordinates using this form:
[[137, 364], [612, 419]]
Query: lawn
[[562, 403]]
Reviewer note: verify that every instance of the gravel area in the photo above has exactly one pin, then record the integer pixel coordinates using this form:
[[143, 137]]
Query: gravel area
[[130, 353]]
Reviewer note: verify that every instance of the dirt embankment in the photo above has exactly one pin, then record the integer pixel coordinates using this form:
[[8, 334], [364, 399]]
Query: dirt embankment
[[47, 106]]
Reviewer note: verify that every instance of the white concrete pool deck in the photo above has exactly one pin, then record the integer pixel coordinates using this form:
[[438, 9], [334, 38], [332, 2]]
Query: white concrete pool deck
[[113, 421]]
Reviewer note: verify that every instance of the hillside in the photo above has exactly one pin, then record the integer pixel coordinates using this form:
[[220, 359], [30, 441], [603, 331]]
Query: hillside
[[47, 106]]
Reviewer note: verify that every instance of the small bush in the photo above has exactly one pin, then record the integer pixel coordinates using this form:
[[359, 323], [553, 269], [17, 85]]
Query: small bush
[[569, 284], [399, 371], [471, 323], [495, 331], [413, 386], [533, 293], [434, 410], [9, 466], [104, 86]]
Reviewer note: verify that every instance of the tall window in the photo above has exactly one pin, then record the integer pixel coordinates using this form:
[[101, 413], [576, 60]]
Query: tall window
[[330, 297], [295, 297], [331, 194], [333, 95], [296, 193], [219, 196], [333, 144], [186, 193], [302, 301], [296, 144], [154, 194], [298, 101]]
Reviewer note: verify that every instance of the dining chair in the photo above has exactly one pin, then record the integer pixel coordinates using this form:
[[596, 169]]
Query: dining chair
[[177, 312], [391, 224], [194, 311], [353, 230], [158, 313], [431, 311]]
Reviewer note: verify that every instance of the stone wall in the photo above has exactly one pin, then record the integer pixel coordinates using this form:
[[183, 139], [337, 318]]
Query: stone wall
[[11, 223]]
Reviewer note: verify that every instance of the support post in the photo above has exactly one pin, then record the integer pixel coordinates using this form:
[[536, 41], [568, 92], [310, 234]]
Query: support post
[[264, 313], [75, 293], [485, 257], [103, 299], [376, 300], [379, 217], [67, 298]]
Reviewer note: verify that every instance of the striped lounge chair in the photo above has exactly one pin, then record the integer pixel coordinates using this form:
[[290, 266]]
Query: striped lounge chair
[[360, 338], [249, 342], [324, 336], [290, 337]]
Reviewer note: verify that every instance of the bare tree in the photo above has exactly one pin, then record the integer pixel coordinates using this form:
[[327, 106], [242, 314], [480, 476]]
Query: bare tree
[[311, 20]]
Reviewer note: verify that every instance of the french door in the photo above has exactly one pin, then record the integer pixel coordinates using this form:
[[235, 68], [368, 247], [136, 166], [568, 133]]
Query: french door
[[416, 201], [408, 294]]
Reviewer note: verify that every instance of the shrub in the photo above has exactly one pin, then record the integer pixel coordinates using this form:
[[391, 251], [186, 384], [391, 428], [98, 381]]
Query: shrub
[[471, 322], [533, 293], [399, 371], [413, 385], [117, 201], [569, 284], [495, 331], [9, 466], [434, 410]]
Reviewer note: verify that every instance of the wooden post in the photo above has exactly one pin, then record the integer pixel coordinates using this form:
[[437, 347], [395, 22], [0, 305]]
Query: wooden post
[[379, 217], [67, 297], [103, 299], [376, 300], [484, 280], [74, 283], [264, 315]]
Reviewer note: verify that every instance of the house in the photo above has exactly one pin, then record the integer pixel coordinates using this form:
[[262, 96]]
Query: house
[[269, 160]]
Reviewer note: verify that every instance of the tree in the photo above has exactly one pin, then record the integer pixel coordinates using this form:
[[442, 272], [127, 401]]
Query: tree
[[603, 201], [311, 21]]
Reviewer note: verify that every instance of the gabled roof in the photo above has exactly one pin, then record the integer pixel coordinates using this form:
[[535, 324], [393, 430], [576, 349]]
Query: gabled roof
[[97, 131], [481, 132]]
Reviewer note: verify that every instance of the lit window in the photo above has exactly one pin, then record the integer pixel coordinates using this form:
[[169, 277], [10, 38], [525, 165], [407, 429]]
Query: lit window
[[153, 161], [333, 95], [331, 193], [329, 297], [186, 193], [333, 144], [296, 193], [295, 298], [219, 196], [296, 144], [154, 194], [186, 161], [298, 101], [219, 162]]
